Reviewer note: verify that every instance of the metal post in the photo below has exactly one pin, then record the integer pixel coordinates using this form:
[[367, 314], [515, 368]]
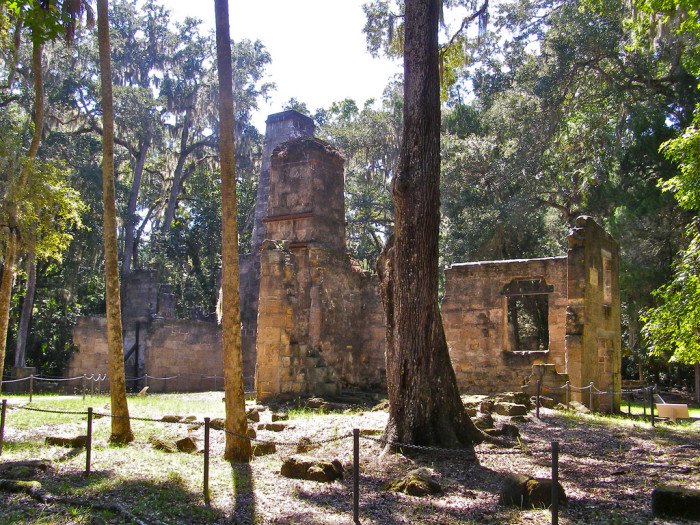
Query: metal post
[[590, 396], [555, 482], [356, 476], [206, 460], [568, 394], [651, 405], [2, 423], [82, 386], [88, 443], [537, 403], [31, 387]]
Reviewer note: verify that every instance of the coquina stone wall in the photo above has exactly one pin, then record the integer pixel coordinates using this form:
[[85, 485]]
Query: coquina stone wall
[[475, 316]]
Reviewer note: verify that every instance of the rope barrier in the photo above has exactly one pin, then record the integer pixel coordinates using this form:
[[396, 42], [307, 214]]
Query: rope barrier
[[162, 378], [48, 411], [5, 381]]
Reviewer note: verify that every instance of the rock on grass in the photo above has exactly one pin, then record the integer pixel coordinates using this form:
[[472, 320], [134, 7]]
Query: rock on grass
[[418, 482], [525, 492], [675, 502], [297, 467]]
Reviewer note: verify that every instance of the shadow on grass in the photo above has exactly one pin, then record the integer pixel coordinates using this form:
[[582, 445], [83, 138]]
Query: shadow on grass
[[244, 511], [167, 501], [389, 508]]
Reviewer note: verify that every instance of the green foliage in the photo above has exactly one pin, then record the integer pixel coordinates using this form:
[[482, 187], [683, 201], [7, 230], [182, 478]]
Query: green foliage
[[672, 327]]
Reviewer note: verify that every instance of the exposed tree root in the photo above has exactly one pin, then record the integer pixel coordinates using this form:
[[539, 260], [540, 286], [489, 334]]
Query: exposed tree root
[[34, 490]]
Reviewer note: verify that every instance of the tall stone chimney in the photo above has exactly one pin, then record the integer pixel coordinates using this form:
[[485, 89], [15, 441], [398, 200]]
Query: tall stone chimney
[[281, 127]]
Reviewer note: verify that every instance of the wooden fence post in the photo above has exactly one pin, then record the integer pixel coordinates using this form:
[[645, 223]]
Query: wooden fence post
[[88, 443], [2, 423], [555, 482], [356, 476]]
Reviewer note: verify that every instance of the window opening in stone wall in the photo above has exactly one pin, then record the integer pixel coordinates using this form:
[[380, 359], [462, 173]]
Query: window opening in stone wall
[[527, 305]]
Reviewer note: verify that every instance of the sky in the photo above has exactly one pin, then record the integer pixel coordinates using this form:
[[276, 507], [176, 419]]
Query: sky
[[317, 47]]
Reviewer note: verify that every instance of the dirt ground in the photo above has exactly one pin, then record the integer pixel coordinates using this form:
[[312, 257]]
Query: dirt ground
[[608, 468]]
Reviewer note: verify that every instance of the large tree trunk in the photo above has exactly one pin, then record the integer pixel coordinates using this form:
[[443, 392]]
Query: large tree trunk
[[121, 426], [425, 407], [237, 447], [130, 219], [176, 187], [25, 317], [13, 240]]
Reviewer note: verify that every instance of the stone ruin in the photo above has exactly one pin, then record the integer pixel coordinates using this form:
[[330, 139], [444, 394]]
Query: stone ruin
[[312, 320]]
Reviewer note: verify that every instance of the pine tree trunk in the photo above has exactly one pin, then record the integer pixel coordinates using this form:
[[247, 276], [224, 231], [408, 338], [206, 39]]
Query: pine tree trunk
[[237, 448], [13, 240], [25, 317], [121, 427], [425, 407]]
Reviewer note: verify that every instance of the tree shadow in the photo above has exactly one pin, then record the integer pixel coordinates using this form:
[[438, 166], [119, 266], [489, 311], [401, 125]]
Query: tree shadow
[[169, 501], [244, 504], [391, 508]]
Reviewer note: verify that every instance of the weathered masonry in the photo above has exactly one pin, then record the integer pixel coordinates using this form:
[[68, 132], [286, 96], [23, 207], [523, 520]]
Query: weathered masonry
[[560, 314], [312, 320], [188, 351]]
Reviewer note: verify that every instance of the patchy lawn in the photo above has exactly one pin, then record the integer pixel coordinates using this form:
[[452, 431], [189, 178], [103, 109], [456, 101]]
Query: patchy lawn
[[608, 467]]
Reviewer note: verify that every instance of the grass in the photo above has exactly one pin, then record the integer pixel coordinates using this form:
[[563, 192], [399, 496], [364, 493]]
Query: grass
[[157, 486]]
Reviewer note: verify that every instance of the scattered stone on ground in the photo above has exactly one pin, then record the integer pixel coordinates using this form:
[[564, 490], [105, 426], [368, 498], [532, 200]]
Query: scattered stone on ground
[[486, 406], [305, 445], [546, 402], [74, 442], [315, 402], [190, 419], [371, 431], [418, 482], [520, 419], [218, 423], [273, 427], [518, 398], [298, 467], [162, 445], [171, 419], [675, 502], [26, 470], [526, 492], [483, 421], [187, 444], [253, 414], [578, 407], [509, 409], [264, 448], [506, 429], [382, 405], [280, 416], [252, 434]]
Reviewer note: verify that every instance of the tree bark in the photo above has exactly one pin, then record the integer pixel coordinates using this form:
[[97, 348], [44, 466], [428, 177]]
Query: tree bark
[[130, 219], [169, 214], [121, 426], [697, 382], [425, 407], [13, 239], [237, 446], [25, 317]]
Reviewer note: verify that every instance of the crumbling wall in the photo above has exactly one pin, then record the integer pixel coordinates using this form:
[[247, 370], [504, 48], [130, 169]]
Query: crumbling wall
[[185, 348], [320, 326], [474, 313], [90, 339], [320, 323], [593, 333]]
